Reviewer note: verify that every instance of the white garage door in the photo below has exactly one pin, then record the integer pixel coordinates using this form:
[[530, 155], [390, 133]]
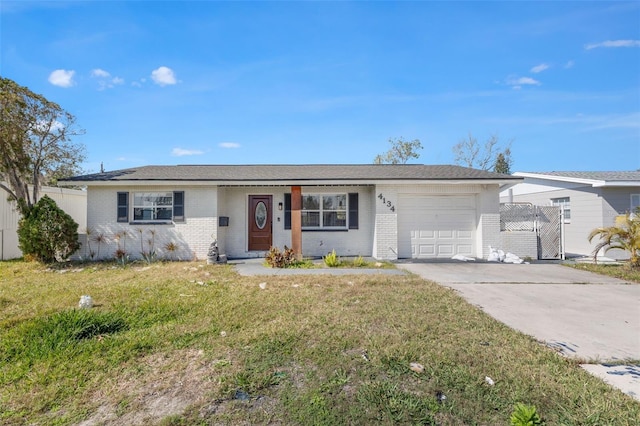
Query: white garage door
[[436, 226]]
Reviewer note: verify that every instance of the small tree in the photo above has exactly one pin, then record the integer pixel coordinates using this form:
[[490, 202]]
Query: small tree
[[624, 235], [503, 162], [401, 151], [47, 233]]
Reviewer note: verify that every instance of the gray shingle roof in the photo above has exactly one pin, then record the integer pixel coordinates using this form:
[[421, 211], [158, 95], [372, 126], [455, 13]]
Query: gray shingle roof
[[311, 172], [604, 176]]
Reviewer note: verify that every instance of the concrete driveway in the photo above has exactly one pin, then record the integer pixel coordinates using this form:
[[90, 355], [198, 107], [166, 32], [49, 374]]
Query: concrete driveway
[[581, 314]]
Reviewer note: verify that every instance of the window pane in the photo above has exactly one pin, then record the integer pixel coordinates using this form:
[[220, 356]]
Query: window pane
[[334, 219], [143, 214], [310, 202], [163, 213], [144, 199], [310, 219], [334, 202]]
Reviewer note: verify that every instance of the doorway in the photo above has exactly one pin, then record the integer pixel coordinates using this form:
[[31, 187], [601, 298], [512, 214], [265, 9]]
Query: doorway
[[260, 226]]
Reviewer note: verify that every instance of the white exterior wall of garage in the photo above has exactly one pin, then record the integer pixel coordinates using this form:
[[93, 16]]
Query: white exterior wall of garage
[[435, 221]]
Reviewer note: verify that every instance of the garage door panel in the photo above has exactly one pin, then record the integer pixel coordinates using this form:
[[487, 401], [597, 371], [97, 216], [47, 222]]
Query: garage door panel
[[427, 249], [436, 226], [465, 235]]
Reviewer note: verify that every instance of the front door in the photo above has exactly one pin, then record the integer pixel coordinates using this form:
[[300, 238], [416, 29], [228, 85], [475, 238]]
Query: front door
[[260, 222]]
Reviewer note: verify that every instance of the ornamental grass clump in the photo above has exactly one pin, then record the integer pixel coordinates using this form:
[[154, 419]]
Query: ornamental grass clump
[[332, 260]]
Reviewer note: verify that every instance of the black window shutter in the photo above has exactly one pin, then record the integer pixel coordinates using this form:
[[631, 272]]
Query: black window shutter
[[123, 207], [353, 210], [178, 206], [287, 211]]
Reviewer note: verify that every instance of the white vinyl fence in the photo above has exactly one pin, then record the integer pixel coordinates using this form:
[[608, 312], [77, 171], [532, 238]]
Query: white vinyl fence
[[72, 201]]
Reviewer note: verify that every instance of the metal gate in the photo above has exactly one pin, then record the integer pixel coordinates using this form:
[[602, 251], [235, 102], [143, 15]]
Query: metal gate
[[548, 228], [545, 221]]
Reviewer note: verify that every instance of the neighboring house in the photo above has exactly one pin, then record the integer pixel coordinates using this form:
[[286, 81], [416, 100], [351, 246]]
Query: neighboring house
[[588, 200], [383, 211], [72, 201]]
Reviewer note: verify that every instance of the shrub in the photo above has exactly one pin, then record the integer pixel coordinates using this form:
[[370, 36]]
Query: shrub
[[624, 235], [280, 259], [332, 260], [525, 415], [46, 233], [359, 262]]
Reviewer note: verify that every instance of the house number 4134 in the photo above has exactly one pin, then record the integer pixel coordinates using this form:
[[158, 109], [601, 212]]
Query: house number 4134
[[387, 203]]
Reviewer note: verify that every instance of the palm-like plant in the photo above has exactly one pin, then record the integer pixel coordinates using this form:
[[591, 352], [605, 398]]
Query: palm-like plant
[[624, 235]]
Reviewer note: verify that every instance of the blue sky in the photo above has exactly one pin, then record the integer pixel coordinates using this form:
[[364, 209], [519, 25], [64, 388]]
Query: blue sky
[[330, 82]]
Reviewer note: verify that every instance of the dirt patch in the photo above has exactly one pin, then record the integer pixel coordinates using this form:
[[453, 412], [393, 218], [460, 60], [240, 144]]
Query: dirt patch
[[165, 385]]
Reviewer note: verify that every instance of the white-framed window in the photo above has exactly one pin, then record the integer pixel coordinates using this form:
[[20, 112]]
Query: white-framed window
[[154, 206], [324, 211], [635, 203], [565, 204]]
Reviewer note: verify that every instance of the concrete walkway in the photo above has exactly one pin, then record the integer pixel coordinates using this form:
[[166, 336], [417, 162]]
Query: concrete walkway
[[581, 314]]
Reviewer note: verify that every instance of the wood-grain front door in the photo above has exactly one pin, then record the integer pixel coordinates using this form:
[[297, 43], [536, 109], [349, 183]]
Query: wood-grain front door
[[260, 230]]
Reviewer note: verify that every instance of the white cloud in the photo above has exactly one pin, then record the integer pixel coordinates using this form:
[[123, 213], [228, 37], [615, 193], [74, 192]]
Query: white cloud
[[518, 82], [569, 64], [100, 73], [539, 68], [179, 152], [614, 43], [104, 79], [62, 78], [163, 76], [229, 145]]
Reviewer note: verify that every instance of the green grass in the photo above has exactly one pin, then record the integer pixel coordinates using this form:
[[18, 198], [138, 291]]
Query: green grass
[[623, 272], [190, 344]]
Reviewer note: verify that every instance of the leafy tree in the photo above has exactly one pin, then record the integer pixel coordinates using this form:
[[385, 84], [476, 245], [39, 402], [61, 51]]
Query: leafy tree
[[503, 162], [624, 235], [47, 233], [35, 145], [401, 151], [471, 153]]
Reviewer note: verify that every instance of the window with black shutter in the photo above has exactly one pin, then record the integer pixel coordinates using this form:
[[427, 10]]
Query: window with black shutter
[[353, 210], [123, 206], [178, 206]]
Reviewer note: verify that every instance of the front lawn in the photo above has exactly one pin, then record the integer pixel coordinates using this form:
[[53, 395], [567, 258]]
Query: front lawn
[[624, 272], [189, 343]]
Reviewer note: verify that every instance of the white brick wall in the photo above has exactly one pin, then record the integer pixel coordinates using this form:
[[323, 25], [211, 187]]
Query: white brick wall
[[488, 234], [192, 237], [521, 243], [386, 236]]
